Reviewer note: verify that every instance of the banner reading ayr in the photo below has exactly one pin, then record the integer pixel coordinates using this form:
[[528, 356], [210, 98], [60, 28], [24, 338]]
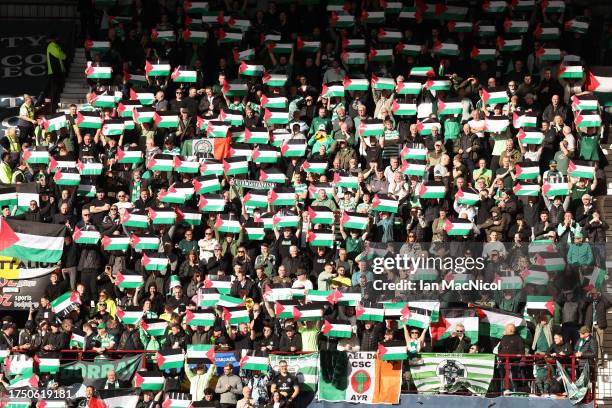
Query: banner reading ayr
[[438, 372], [359, 377], [94, 372]]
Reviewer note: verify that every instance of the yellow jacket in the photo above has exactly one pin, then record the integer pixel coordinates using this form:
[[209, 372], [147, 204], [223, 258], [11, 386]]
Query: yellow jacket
[[54, 50]]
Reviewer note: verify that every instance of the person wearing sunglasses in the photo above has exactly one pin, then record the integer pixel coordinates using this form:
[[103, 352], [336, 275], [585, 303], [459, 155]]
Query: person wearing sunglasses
[[415, 340], [458, 342]]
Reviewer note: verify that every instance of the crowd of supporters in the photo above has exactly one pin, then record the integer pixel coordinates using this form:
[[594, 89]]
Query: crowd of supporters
[[461, 153]]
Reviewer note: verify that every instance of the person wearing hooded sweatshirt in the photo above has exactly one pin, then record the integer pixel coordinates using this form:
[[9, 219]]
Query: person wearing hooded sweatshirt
[[579, 253]]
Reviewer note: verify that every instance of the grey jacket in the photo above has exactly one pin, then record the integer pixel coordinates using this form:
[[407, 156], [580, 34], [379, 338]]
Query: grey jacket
[[229, 396]]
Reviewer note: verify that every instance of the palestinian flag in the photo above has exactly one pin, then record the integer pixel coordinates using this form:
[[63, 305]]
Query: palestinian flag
[[178, 400], [459, 26], [149, 380], [321, 238], [307, 313], [332, 91], [168, 359], [35, 156], [130, 314], [380, 54], [595, 280], [432, 189], [293, 148], [535, 275], [321, 215], [255, 231], [548, 54], [188, 216], [382, 83], [580, 168], [98, 72], [553, 6], [494, 96], [585, 102], [369, 314], [53, 123], [371, 127], [134, 79], [211, 203], [418, 152], [546, 32], [392, 353], [157, 70], [102, 101], [422, 72], [458, 227], [212, 167], [353, 57], [320, 296], [256, 198], [166, 119], [225, 224], [555, 189], [551, 261], [241, 150], [424, 127], [516, 26], [341, 20], [391, 7], [176, 194], [162, 216], [255, 363], [154, 262], [599, 80], [526, 189], [308, 46], [576, 26], [527, 170], [222, 284], [285, 309], [270, 38], [89, 168], [77, 339], [64, 302], [438, 84], [355, 220], [89, 120], [314, 188], [571, 70], [185, 166], [276, 116], [337, 329], [530, 137], [355, 84], [161, 162], [245, 55], [585, 119], [229, 37], [483, 54], [450, 107], [236, 315], [235, 165], [200, 318], [113, 127], [154, 327], [129, 156], [250, 70], [135, 220], [280, 48], [414, 168], [384, 203], [373, 17], [494, 6], [206, 184], [8, 196], [526, 120], [85, 237], [509, 282], [256, 135], [183, 76], [200, 353], [217, 129], [467, 197], [492, 322], [540, 304], [523, 5], [194, 37], [275, 80], [31, 241], [288, 220], [448, 321], [211, 298], [484, 29], [126, 281], [449, 49], [97, 46], [277, 102], [85, 190], [408, 49], [404, 109], [346, 180], [163, 35], [509, 45], [496, 124], [265, 154], [317, 166], [26, 379], [234, 88]]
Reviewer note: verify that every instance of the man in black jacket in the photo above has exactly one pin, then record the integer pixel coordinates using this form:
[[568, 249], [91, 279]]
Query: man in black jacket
[[458, 342], [596, 307], [586, 348], [511, 343]]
